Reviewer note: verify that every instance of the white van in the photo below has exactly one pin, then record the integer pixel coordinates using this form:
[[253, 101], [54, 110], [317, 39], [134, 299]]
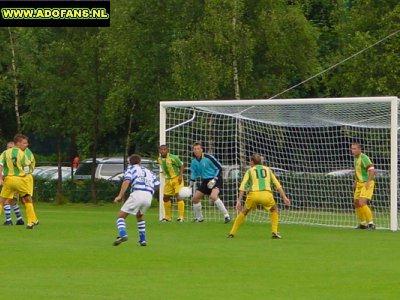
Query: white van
[[108, 167]]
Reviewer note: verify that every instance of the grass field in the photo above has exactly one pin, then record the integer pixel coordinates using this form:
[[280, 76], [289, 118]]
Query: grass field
[[70, 256]]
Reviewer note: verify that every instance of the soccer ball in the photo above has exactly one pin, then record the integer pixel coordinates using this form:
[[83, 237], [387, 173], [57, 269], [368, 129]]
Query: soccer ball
[[185, 192]]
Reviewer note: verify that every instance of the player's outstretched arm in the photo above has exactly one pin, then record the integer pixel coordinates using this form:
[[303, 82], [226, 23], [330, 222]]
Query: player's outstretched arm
[[1, 174], [239, 201], [285, 199], [124, 187], [182, 169]]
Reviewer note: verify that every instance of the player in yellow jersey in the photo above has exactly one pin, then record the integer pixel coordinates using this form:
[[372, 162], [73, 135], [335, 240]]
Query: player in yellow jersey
[[172, 168], [12, 164], [13, 204], [258, 182], [363, 186]]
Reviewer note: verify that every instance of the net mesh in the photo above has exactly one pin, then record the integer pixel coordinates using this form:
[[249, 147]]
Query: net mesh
[[306, 145]]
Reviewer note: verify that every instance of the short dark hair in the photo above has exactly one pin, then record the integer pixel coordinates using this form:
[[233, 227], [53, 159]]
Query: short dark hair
[[134, 159], [19, 136], [197, 144], [356, 143], [163, 146], [256, 159]]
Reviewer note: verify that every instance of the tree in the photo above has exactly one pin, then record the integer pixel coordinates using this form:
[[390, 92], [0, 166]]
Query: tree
[[377, 70]]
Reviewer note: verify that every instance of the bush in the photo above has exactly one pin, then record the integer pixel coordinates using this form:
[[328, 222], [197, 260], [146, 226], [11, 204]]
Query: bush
[[79, 191], [75, 191]]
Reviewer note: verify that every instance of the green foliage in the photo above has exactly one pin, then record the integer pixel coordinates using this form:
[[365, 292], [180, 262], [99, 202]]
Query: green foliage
[[75, 191], [376, 71]]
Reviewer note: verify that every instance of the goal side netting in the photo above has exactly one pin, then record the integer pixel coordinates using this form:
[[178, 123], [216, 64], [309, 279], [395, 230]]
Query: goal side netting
[[306, 142]]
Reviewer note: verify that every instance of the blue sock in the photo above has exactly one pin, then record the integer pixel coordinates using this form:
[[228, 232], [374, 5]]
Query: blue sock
[[121, 227], [17, 212], [141, 225], [7, 212]]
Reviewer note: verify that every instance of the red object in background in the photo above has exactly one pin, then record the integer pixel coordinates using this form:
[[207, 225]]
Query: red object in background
[[75, 162]]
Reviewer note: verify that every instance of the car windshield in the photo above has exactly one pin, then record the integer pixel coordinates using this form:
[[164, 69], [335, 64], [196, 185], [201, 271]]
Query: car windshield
[[84, 169], [110, 169]]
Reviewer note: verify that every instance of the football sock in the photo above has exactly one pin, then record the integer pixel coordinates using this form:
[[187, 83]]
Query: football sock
[[17, 212], [181, 209], [121, 227], [167, 208], [274, 221], [238, 221], [197, 211], [7, 212], [141, 225], [360, 215], [1, 208], [221, 207], [30, 213], [367, 214]]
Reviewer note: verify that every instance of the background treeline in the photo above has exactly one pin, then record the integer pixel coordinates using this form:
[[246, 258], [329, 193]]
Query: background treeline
[[96, 90]]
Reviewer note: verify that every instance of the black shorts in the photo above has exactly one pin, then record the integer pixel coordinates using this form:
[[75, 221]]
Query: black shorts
[[205, 190]]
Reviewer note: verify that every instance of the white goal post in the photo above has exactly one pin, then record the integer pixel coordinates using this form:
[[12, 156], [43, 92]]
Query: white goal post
[[306, 143]]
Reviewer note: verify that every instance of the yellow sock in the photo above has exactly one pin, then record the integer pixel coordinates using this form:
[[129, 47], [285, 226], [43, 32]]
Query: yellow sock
[[238, 221], [181, 209], [1, 208], [367, 213], [360, 214], [30, 212], [167, 208], [274, 221]]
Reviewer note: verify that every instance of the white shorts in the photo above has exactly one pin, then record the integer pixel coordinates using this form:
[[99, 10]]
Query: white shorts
[[137, 201]]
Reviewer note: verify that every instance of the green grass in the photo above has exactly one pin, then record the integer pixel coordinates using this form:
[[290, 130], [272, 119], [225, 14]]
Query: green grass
[[70, 256]]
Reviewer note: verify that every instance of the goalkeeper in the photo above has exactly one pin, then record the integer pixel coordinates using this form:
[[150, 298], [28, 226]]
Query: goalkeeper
[[172, 168], [206, 167], [258, 181]]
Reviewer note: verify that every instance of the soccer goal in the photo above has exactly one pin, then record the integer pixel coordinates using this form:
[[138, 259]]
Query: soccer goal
[[306, 142]]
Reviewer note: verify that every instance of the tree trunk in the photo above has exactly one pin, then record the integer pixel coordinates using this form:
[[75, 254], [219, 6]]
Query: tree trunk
[[128, 137], [241, 144], [15, 80], [59, 194], [73, 152], [96, 123]]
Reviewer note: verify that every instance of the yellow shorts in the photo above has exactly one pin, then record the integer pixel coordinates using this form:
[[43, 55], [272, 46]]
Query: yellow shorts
[[15, 185], [172, 186], [362, 192], [29, 180], [264, 198]]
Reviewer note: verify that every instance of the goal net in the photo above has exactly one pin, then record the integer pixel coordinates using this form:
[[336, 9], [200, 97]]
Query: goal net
[[306, 142]]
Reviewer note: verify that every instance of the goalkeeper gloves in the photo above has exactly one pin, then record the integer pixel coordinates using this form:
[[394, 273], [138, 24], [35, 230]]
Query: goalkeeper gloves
[[212, 183]]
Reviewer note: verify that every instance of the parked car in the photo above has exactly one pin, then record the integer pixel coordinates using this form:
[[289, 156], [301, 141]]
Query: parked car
[[232, 172], [350, 172], [51, 172], [108, 167]]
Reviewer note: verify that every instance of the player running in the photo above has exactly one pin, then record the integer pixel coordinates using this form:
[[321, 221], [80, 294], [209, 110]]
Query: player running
[[142, 182]]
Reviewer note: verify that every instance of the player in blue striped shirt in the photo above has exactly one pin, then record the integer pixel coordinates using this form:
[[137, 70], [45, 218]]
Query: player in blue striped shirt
[[209, 170], [142, 182]]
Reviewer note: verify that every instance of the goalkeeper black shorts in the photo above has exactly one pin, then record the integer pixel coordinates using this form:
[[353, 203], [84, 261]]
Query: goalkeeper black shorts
[[204, 188]]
